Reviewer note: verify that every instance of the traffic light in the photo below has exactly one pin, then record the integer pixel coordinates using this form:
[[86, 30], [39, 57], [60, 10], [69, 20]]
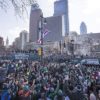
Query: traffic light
[[39, 51]]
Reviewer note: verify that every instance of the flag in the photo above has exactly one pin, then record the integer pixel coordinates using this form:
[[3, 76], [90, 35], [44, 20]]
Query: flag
[[39, 41], [44, 34]]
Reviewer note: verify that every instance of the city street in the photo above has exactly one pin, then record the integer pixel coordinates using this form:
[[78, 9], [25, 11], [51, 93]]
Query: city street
[[49, 49]]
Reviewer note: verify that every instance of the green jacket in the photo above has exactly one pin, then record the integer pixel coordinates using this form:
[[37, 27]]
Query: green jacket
[[52, 95]]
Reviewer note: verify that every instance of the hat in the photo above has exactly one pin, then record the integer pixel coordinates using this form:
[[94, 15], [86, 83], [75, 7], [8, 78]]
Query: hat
[[60, 92], [78, 88], [26, 88], [21, 81], [51, 89]]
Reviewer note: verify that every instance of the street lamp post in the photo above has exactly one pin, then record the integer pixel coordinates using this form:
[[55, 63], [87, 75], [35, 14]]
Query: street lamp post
[[72, 44], [71, 47], [42, 22]]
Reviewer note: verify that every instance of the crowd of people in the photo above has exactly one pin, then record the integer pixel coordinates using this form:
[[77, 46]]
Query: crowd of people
[[33, 80]]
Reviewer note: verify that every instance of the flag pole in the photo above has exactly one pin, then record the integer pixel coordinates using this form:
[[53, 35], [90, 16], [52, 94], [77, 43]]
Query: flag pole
[[43, 21]]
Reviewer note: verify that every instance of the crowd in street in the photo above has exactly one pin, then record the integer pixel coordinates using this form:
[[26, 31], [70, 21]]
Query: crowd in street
[[28, 80]]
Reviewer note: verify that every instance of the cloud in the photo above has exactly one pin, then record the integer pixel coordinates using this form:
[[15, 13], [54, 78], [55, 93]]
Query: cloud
[[47, 6], [87, 11], [92, 7]]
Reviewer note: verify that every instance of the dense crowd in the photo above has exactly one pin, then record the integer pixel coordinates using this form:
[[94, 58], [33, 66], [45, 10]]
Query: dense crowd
[[27, 80]]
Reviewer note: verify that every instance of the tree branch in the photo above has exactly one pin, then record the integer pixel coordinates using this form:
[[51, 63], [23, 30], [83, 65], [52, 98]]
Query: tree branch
[[20, 6]]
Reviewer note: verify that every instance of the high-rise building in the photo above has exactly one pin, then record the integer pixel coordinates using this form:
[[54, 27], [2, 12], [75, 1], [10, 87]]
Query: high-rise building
[[7, 43], [55, 29], [61, 8], [34, 22], [1, 41], [58, 24], [16, 44], [23, 39], [2, 47], [83, 28]]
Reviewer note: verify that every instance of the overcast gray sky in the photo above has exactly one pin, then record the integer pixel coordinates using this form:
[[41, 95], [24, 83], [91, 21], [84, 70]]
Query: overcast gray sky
[[79, 10]]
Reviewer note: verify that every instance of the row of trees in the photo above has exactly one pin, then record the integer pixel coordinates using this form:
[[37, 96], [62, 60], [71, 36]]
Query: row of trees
[[19, 6]]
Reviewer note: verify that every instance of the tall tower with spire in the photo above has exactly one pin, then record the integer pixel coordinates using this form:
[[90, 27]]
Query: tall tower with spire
[[7, 43], [61, 9]]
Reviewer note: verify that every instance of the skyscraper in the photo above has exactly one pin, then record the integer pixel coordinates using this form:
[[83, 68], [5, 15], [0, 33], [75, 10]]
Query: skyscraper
[[58, 24], [34, 22], [83, 28], [55, 27], [61, 8], [17, 44], [7, 42], [1, 41], [23, 39]]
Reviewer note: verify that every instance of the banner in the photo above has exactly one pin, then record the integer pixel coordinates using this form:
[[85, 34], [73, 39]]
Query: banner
[[21, 56]]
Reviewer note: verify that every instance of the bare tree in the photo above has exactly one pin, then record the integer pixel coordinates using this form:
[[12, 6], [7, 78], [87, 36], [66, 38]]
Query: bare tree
[[19, 5]]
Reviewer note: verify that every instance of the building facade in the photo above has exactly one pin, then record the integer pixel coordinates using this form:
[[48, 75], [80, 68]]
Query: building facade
[[61, 8], [34, 22], [2, 47], [57, 25], [1, 41], [88, 44], [16, 44], [7, 43], [55, 29], [23, 39], [83, 28]]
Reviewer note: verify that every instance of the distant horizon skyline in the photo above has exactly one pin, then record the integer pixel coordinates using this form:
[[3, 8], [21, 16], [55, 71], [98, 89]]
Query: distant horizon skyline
[[82, 10]]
